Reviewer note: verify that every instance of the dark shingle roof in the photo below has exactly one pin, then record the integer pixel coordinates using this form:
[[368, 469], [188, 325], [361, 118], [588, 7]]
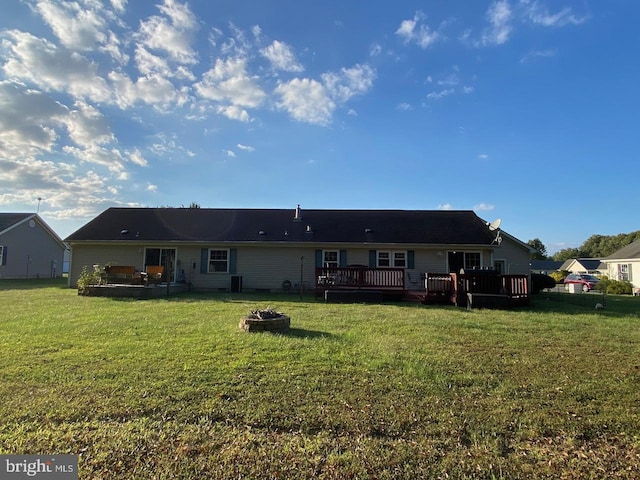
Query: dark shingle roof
[[8, 220], [630, 251], [245, 225], [547, 265]]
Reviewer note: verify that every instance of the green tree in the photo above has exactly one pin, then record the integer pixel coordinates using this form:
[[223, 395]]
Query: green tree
[[566, 254], [540, 250]]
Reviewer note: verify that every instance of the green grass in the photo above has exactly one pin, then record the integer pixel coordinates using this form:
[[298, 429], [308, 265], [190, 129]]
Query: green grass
[[171, 388]]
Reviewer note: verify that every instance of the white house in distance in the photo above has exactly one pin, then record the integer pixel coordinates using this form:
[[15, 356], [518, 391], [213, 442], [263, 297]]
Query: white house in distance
[[29, 248], [625, 264]]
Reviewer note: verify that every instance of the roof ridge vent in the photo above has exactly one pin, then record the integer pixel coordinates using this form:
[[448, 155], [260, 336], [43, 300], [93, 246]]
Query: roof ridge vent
[[297, 216]]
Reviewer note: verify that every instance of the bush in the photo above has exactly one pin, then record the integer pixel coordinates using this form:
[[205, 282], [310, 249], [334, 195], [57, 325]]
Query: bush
[[619, 287], [559, 275], [89, 276], [539, 282]]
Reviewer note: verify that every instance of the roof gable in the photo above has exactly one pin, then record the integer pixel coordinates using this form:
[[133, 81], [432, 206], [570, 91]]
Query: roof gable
[[10, 220], [438, 227], [631, 251]]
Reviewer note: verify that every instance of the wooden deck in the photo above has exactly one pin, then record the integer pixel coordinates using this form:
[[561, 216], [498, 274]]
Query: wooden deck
[[479, 288], [474, 288]]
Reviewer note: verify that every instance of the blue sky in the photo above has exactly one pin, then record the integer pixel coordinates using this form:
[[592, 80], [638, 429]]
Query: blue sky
[[524, 110]]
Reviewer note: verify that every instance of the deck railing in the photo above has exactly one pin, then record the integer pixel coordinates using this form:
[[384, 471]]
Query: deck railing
[[360, 277], [453, 287]]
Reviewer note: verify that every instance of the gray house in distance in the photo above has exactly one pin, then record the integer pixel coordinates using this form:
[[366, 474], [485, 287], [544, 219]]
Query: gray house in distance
[[29, 247], [276, 249]]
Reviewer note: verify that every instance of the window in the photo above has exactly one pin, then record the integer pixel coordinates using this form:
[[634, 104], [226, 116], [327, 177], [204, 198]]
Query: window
[[392, 259], [330, 258], [624, 272], [499, 266], [218, 261], [472, 260]]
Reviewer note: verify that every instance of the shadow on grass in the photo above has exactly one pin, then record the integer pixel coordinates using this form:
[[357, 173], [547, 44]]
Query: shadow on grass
[[32, 283], [584, 302], [303, 333]]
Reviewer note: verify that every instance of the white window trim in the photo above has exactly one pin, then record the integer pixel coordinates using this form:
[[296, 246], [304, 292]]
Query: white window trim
[[479, 253], [227, 250], [324, 258], [1, 254], [392, 258]]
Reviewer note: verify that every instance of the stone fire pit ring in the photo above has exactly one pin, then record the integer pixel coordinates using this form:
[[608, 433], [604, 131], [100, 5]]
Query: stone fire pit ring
[[265, 321]]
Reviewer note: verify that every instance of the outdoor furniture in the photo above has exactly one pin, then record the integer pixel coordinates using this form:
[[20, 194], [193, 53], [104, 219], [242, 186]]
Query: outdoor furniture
[[154, 274], [126, 274]]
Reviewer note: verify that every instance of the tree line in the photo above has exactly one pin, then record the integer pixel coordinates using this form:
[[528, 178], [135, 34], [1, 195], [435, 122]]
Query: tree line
[[596, 246]]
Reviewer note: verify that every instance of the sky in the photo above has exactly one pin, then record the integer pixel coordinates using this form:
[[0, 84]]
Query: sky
[[521, 110]]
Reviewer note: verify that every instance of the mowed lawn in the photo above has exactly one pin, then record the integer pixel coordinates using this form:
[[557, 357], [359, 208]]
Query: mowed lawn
[[171, 388]]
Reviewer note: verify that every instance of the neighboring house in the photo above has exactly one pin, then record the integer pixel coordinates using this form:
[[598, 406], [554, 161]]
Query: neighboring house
[[593, 266], [217, 249], [29, 247], [545, 267], [625, 264]]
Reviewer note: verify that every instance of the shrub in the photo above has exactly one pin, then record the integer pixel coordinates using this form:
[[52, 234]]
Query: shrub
[[559, 275], [539, 282], [89, 276], [615, 287]]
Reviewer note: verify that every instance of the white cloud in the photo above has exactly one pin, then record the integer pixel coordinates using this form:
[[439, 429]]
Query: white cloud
[[445, 206], [76, 27], [349, 82], [404, 106], [152, 89], [483, 156], [173, 33], [539, 15], [483, 207], [229, 153], [499, 16], [306, 100], [151, 187], [375, 50], [87, 126], [415, 31], [234, 112], [136, 157], [440, 94], [29, 121], [282, 57], [246, 148], [42, 63], [538, 54], [228, 82]]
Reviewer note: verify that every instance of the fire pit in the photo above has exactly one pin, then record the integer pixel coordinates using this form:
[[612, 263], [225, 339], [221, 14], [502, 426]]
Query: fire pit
[[265, 321]]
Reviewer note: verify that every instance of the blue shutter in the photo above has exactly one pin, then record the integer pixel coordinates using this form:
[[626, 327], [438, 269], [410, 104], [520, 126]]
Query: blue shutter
[[318, 258], [373, 259], [4, 255], [411, 259], [233, 260], [204, 260], [343, 258]]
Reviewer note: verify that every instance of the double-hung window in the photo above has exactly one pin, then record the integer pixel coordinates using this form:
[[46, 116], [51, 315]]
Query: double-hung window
[[472, 260], [392, 259], [624, 272], [330, 258], [218, 261]]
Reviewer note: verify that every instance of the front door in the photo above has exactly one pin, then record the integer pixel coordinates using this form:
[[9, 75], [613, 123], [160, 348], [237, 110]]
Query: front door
[[165, 257]]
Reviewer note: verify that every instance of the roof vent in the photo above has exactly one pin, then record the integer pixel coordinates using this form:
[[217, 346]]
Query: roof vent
[[124, 231], [368, 230], [261, 232], [308, 230], [297, 217]]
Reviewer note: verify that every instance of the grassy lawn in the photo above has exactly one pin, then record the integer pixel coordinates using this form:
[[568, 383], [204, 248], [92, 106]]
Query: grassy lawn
[[171, 388]]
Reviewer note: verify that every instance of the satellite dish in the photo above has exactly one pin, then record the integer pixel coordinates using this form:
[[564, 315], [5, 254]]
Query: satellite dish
[[495, 224]]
